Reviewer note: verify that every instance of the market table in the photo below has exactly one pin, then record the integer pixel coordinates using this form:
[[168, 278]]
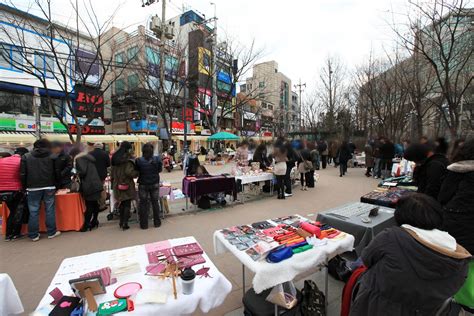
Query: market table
[[347, 218], [10, 303], [268, 275], [385, 197], [255, 178], [128, 265], [69, 214], [194, 187]]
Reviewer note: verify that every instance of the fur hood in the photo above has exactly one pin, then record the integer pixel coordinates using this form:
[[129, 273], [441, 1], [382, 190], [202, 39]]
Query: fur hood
[[462, 166]]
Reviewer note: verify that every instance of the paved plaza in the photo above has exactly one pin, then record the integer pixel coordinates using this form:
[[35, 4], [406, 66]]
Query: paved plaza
[[32, 265]]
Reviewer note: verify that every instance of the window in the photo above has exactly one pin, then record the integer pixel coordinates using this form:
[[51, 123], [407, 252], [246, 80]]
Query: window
[[10, 57], [152, 55], [223, 86], [132, 53], [119, 58], [243, 88], [153, 83], [119, 86], [44, 65], [132, 82], [171, 64], [261, 84]]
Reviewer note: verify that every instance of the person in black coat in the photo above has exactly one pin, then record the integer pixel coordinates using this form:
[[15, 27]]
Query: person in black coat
[[387, 153], [260, 156], [344, 154], [91, 186], [63, 163], [149, 168], [412, 269], [102, 164], [430, 169], [457, 197]]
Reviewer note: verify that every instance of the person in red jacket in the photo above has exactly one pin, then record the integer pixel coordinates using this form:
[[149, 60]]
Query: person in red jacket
[[11, 192]]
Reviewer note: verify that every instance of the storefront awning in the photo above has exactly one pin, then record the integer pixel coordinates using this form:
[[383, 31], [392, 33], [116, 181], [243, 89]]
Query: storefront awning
[[147, 138], [57, 137], [17, 138], [98, 138], [126, 138]]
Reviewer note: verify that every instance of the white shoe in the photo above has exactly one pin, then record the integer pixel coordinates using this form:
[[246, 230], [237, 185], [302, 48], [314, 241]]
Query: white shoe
[[36, 238], [56, 234], [288, 194]]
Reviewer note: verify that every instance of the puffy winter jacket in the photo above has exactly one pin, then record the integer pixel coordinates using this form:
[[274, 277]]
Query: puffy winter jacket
[[149, 170], [37, 169], [10, 173], [91, 185], [430, 175]]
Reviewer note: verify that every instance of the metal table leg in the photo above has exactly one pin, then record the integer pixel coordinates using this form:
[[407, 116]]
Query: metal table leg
[[186, 203], [326, 287], [276, 310], [243, 280]]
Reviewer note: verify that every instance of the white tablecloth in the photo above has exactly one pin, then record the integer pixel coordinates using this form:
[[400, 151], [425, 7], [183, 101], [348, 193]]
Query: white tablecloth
[[268, 275], [264, 176], [208, 292], [10, 303]]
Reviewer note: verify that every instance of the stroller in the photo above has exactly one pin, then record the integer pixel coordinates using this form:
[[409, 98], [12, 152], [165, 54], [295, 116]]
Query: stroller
[[114, 212]]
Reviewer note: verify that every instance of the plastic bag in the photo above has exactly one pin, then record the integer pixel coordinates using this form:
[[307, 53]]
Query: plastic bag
[[283, 295]]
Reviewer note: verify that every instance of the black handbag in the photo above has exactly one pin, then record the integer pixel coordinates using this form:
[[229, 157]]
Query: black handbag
[[338, 268], [313, 302]]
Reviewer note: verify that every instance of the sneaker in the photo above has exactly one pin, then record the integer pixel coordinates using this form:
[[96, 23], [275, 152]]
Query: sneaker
[[36, 238], [288, 194], [8, 238], [56, 234], [19, 236]]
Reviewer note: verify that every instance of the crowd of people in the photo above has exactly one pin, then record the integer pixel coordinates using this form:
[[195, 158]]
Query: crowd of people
[[29, 179]]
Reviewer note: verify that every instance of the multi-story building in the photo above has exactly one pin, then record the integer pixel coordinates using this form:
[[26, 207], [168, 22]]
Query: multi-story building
[[295, 113], [136, 81], [272, 89], [25, 47]]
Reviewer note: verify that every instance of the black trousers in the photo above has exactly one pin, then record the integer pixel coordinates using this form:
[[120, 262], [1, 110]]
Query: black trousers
[[15, 218], [289, 167], [124, 210], [147, 194], [343, 168], [324, 161], [281, 186], [310, 179], [303, 179], [92, 212]]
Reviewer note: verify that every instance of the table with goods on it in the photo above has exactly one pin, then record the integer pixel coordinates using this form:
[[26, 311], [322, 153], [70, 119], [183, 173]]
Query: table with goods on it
[[196, 186], [361, 220], [281, 249], [69, 209], [252, 175], [384, 196], [170, 277]]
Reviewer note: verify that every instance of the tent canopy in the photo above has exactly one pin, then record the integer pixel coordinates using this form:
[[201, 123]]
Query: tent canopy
[[223, 136]]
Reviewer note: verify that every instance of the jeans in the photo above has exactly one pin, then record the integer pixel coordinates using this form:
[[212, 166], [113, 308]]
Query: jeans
[[386, 167], [34, 203], [310, 179], [15, 217], [302, 179], [146, 194], [377, 171]]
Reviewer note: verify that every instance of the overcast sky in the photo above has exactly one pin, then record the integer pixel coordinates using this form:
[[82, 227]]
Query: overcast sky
[[298, 34]]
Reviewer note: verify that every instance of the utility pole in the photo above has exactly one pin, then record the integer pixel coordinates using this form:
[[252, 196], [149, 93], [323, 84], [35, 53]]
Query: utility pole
[[36, 107], [300, 86], [214, 70]]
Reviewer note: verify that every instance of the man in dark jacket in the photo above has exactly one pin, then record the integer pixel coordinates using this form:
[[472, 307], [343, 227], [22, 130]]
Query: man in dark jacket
[[63, 165], [387, 153], [38, 176], [323, 152], [102, 163], [149, 168], [430, 169], [412, 269]]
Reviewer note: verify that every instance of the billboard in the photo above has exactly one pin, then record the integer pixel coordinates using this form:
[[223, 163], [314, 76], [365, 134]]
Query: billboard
[[204, 61], [89, 101], [87, 67]]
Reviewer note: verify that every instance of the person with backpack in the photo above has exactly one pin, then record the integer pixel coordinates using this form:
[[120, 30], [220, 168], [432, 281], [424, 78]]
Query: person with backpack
[[149, 167]]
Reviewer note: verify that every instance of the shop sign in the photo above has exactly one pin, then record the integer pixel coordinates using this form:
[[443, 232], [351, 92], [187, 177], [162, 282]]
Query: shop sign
[[30, 126], [142, 126], [87, 130], [178, 128], [89, 100], [206, 132]]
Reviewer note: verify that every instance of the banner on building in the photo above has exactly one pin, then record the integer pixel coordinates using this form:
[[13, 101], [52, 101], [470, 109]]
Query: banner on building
[[204, 61], [87, 130], [87, 67], [30, 126], [178, 128], [89, 102]]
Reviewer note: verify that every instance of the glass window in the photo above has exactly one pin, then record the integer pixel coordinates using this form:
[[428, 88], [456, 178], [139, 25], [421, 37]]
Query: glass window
[[153, 83], [171, 64], [152, 55], [132, 82], [261, 84], [119, 86], [17, 57], [132, 53], [5, 55], [48, 66], [39, 63], [119, 58], [223, 86]]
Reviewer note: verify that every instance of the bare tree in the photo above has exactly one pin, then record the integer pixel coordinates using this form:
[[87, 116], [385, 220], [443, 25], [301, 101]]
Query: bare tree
[[69, 58], [382, 101], [440, 32], [312, 113], [332, 90]]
